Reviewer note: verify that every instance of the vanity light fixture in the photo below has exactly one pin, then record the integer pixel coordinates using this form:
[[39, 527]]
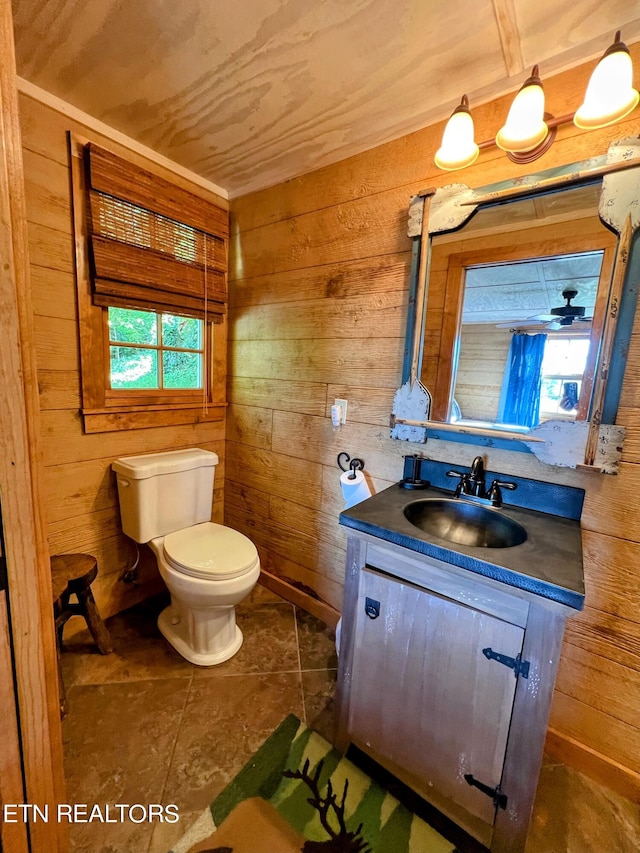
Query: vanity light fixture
[[526, 132], [610, 94], [458, 147], [529, 131]]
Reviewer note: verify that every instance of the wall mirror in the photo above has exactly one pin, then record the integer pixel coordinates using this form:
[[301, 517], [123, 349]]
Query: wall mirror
[[518, 337], [493, 351]]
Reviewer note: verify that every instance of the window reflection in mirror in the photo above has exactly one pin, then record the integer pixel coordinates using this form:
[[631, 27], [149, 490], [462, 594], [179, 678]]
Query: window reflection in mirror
[[524, 340], [563, 366], [501, 290]]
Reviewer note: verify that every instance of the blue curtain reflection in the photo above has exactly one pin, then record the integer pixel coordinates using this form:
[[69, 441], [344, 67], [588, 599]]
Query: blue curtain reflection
[[520, 395]]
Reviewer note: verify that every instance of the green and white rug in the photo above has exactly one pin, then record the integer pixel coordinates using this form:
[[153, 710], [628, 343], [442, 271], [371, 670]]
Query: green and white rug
[[300, 795]]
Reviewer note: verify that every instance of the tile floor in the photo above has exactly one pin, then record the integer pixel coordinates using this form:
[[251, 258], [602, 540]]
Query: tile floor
[[144, 726]]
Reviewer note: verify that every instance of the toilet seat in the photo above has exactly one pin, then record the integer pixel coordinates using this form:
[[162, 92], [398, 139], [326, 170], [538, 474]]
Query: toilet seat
[[210, 551]]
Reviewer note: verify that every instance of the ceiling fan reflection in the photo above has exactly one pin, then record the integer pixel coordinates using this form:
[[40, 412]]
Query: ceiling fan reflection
[[558, 318]]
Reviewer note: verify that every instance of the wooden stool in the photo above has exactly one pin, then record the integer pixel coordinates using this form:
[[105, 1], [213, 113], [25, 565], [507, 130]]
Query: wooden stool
[[73, 574]]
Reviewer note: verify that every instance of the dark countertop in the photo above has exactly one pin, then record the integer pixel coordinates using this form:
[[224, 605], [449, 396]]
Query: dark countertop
[[548, 563]]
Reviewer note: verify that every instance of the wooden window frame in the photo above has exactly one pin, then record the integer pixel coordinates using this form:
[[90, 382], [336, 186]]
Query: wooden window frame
[[159, 396], [105, 409]]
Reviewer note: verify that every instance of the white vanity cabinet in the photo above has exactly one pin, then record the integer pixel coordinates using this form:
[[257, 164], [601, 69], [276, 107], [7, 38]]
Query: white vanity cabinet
[[445, 679]]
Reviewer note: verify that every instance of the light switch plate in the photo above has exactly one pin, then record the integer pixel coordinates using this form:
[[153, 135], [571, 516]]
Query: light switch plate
[[343, 404]]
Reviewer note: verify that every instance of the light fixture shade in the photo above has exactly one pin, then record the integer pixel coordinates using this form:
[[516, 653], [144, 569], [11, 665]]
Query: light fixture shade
[[458, 148], [525, 127], [610, 95]]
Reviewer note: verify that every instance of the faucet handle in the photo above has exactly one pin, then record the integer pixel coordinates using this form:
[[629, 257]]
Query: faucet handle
[[505, 484], [464, 482], [495, 491]]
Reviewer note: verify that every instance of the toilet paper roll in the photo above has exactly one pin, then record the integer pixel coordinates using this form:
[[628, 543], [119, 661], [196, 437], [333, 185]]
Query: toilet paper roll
[[354, 490]]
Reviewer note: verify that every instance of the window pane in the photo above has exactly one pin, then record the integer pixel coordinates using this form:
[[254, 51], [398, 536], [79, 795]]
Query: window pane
[[129, 326], [559, 397], [184, 332], [182, 370], [565, 356], [133, 367]]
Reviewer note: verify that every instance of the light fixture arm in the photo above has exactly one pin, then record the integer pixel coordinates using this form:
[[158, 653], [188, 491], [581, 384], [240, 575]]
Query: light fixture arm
[[616, 45]]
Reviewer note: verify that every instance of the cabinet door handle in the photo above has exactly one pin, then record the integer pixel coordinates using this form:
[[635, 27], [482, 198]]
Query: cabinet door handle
[[372, 608]]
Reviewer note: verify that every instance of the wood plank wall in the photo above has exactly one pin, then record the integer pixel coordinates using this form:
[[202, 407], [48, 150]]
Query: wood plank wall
[[81, 496], [319, 270], [483, 359]]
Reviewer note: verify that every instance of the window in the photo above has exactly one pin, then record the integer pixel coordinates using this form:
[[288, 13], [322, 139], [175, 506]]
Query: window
[[155, 351], [563, 366], [151, 259]]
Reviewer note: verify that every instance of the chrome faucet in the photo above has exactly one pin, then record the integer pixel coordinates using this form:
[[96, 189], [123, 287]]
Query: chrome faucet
[[472, 485]]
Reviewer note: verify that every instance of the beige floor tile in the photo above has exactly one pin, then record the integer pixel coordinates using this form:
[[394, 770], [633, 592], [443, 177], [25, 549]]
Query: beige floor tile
[[118, 742], [123, 837], [225, 721], [140, 652], [261, 595], [318, 687], [164, 835], [317, 642], [574, 814], [119, 738]]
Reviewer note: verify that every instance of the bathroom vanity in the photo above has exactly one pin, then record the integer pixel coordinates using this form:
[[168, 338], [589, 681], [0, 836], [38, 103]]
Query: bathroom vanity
[[449, 651]]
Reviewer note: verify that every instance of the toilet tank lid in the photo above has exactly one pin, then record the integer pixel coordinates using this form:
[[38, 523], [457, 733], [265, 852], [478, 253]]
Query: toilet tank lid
[[152, 464]]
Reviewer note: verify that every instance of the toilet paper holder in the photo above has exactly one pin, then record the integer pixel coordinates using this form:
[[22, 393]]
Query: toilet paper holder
[[354, 464]]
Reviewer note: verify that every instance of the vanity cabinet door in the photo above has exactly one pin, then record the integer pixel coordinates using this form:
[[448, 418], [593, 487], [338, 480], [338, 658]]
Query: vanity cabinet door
[[424, 698]]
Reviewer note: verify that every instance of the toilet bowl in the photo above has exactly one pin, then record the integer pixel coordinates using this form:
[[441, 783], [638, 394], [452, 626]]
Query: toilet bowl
[[165, 501], [208, 569]]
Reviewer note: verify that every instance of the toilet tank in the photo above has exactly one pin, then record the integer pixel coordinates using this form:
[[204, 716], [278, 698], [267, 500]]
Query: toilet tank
[[163, 492]]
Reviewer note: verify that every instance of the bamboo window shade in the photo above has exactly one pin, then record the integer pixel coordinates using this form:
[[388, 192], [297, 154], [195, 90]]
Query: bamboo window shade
[[153, 244]]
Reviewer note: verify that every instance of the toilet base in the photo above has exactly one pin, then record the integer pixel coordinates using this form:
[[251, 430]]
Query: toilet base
[[176, 633]]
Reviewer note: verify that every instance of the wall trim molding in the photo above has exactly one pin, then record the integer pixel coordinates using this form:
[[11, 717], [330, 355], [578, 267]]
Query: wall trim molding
[[606, 771], [63, 107], [320, 609]]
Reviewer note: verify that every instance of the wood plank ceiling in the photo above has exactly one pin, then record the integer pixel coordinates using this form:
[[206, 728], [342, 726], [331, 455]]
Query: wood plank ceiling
[[248, 93]]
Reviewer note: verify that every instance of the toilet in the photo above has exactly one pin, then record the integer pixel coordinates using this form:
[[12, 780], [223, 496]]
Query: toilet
[[165, 502]]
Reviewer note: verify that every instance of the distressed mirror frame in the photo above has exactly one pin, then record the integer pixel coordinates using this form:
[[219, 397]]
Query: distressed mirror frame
[[594, 444]]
